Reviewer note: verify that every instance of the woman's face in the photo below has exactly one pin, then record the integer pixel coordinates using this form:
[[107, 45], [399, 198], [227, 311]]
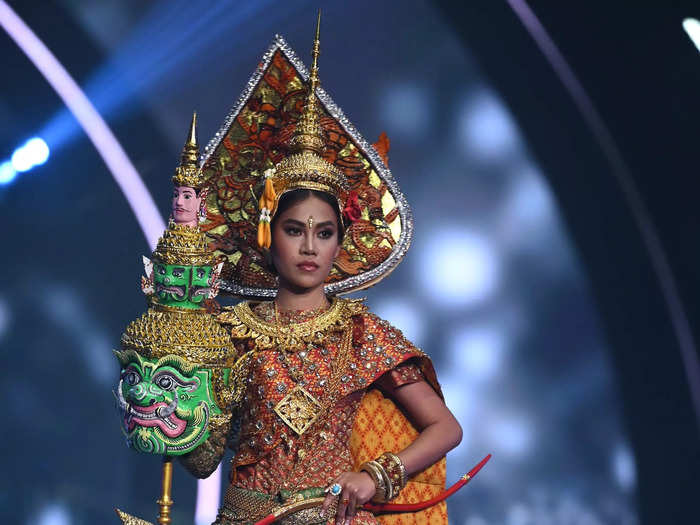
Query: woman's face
[[305, 244]]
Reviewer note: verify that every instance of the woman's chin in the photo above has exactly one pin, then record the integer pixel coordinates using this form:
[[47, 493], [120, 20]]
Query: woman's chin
[[302, 283]]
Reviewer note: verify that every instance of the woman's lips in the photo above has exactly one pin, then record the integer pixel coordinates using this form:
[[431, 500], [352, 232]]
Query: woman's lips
[[307, 266]]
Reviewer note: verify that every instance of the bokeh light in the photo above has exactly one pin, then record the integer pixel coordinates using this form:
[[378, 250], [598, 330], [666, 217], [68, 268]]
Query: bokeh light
[[459, 267], [486, 129]]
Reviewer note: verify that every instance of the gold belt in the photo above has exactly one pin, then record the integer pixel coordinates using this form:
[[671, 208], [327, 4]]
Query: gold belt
[[242, 506]]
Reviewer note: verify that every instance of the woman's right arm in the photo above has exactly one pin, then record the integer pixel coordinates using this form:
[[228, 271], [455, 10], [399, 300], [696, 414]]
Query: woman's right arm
[[204, 459]]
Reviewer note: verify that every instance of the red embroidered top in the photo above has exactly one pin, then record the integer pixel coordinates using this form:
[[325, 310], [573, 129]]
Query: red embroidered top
[[270, 454]]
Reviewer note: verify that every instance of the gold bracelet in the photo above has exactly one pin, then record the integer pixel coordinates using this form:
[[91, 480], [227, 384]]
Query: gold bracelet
[[389, 494], [380, 486], [393, 467], [401, 467]]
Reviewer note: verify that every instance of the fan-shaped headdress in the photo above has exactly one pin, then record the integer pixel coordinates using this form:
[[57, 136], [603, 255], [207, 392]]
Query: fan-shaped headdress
[[278, 137]]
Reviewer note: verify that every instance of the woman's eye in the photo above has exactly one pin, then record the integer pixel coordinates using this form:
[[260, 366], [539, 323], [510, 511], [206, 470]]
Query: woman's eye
[[325, 234], [187, 196], [293, 231]]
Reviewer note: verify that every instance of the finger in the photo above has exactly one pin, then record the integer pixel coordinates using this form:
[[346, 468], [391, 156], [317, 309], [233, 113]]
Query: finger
[[342, 506], [328, 501], [350, 512]]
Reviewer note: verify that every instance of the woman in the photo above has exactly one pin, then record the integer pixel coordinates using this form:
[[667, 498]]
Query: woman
[[316, 362], [306, 234]]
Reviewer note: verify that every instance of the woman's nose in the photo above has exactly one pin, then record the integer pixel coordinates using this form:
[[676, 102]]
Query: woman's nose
[[308, 244]]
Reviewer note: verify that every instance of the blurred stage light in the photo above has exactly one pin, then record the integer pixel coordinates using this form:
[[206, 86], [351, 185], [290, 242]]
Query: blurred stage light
[[34, 152], [5, 317], [7, 172], [478, 351], [53, 514], [624, 468], [511, 435], [404, 315], [486, 129], [458, 267], [208, 489], [692, 28], [405, 109], [64, 306], [529, 201]]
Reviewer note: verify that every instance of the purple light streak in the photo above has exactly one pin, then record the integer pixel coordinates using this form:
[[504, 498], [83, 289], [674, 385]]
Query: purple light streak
[[117, 162], [657, 255]]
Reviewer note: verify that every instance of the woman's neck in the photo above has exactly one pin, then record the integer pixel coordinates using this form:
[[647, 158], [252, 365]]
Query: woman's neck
[[300, 300]]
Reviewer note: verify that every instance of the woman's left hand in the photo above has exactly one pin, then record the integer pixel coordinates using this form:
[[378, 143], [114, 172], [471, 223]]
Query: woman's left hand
[[358, 488]]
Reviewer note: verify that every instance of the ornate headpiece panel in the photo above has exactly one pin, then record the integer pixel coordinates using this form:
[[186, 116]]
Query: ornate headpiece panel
[[266, 123]]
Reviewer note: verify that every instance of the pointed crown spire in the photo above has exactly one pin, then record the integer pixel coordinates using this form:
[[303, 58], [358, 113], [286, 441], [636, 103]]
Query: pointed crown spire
[[308, 134], [304, 168], [188, 172]]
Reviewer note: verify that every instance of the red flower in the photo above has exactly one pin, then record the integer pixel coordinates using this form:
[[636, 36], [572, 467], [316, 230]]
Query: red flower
[[352, 210]]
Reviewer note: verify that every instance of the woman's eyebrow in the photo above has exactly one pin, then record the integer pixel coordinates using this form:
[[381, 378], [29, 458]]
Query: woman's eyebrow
[[324, 224]]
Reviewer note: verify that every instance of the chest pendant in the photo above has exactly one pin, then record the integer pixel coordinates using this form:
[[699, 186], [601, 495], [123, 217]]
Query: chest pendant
[[298, 409]]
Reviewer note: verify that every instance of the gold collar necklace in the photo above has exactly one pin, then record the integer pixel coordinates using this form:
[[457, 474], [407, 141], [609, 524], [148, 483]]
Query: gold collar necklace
[[295, 336]]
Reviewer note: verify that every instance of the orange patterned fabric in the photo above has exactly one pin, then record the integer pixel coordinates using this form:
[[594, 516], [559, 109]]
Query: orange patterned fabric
[[379, 427]]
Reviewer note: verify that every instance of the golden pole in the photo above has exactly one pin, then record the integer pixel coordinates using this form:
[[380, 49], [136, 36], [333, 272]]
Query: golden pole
[[165, 501]]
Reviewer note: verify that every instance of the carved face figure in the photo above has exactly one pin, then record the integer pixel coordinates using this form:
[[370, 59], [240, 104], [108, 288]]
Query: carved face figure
[[183, 286], [166, 404], [186, 205]]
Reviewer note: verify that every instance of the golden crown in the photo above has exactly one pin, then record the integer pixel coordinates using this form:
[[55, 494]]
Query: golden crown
[[304, 168], [185, 245], [188, 172], [191, 334]]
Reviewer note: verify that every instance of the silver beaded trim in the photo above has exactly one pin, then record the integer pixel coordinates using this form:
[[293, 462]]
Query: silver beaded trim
[[356, 282]]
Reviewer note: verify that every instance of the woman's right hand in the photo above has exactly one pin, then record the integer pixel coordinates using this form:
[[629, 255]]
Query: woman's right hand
[[357, 489]]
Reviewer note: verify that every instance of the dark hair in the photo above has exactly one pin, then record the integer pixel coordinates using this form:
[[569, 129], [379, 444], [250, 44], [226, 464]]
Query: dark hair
[[290, 198]]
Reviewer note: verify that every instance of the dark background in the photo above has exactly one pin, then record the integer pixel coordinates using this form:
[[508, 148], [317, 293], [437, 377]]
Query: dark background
[[553, 271]]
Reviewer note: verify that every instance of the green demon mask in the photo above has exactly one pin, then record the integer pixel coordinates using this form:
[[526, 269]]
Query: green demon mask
[[175, 382], [166, 403]]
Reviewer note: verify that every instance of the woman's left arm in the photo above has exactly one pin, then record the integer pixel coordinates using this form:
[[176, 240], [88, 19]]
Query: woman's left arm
[[439, 433], [439, 430]]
